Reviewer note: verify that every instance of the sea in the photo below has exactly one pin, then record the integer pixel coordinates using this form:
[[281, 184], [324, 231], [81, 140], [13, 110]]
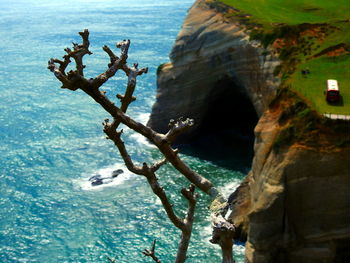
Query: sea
[[52, 142]]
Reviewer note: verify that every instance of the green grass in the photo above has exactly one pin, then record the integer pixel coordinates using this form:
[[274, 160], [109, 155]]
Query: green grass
[[272, 19], [293, 12], [313, 85]]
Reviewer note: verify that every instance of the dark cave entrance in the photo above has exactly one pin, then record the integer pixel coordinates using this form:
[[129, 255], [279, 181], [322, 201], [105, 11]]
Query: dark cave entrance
[[342, 252], [226, 135]]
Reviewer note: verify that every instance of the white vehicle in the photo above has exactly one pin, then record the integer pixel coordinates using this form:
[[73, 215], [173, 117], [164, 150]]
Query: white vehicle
[[332, 92]]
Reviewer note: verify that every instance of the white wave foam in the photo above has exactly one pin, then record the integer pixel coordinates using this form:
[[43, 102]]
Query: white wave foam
[[141, 140], [229, 188], [84, 183], [143, 118], [206, 232], [238, 249]]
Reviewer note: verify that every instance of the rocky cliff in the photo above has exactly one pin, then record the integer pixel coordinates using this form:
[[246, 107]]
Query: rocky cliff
[[298, 207], [294, 205], [215, 75]]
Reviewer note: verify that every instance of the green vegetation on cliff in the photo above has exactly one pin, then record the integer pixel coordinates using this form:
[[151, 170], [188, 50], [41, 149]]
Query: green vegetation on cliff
[[302, 125], [312, 36], [293, 12]]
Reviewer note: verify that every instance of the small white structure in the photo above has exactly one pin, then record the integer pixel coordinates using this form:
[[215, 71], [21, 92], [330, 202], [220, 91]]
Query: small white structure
[[332, 84], [332, 92]]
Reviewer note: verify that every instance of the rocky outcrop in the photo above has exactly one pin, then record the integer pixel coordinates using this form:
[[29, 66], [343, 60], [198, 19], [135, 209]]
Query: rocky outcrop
[[214, 70], [294, 206], [299, 201]]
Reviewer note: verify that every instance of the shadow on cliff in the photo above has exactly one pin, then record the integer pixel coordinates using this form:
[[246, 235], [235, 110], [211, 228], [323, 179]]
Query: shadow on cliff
[[226, 148], [226, 135]]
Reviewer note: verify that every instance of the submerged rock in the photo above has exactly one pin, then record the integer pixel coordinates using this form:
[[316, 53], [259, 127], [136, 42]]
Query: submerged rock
[[115, 173], [98, 179]]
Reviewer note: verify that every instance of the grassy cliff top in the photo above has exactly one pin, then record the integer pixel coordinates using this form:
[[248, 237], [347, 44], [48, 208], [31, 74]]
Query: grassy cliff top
[[293, 11], [311, 36]]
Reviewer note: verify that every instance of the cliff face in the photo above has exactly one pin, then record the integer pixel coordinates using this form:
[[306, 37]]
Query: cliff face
[[299, 201], [295, 203], [214, 70]]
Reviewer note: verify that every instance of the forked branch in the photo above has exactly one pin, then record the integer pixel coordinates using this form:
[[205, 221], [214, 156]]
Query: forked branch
[[151, 253], [75, 79], [178, 127]]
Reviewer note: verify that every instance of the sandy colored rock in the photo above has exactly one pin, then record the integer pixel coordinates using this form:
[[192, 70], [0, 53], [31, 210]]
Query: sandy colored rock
[[300, 201], [295, 203], [212, 59]]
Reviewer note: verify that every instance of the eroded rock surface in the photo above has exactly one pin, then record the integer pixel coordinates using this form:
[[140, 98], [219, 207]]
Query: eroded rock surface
[[299, 201], [214, 70], [294, 206]]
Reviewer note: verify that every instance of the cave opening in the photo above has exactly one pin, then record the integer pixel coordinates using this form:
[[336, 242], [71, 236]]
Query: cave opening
[[342, 252], [226, 134]]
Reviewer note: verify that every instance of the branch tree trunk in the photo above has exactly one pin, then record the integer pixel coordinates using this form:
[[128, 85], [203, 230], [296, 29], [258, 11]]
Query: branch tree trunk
[[74, 80]]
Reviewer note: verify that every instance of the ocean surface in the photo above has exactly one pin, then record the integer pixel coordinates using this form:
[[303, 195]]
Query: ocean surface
[[51, 140]]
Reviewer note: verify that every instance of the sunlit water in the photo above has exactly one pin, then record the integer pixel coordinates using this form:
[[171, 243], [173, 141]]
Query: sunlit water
[[52, 139]]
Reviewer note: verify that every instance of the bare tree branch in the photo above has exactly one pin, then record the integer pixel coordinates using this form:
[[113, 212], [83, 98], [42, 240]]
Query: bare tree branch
[[79, 51], [116, 63], [151, 253], [128, 97], [61, 76], [124, 47], [111, 55], [74, 80], [159, 191], [63, 64], [115, 136], [191, 197], [189, 194], [149, 173], [158, 164], [111, 260], [178, 127]]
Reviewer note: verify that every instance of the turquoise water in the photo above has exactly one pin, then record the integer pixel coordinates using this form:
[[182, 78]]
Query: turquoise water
[[52, 139]]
